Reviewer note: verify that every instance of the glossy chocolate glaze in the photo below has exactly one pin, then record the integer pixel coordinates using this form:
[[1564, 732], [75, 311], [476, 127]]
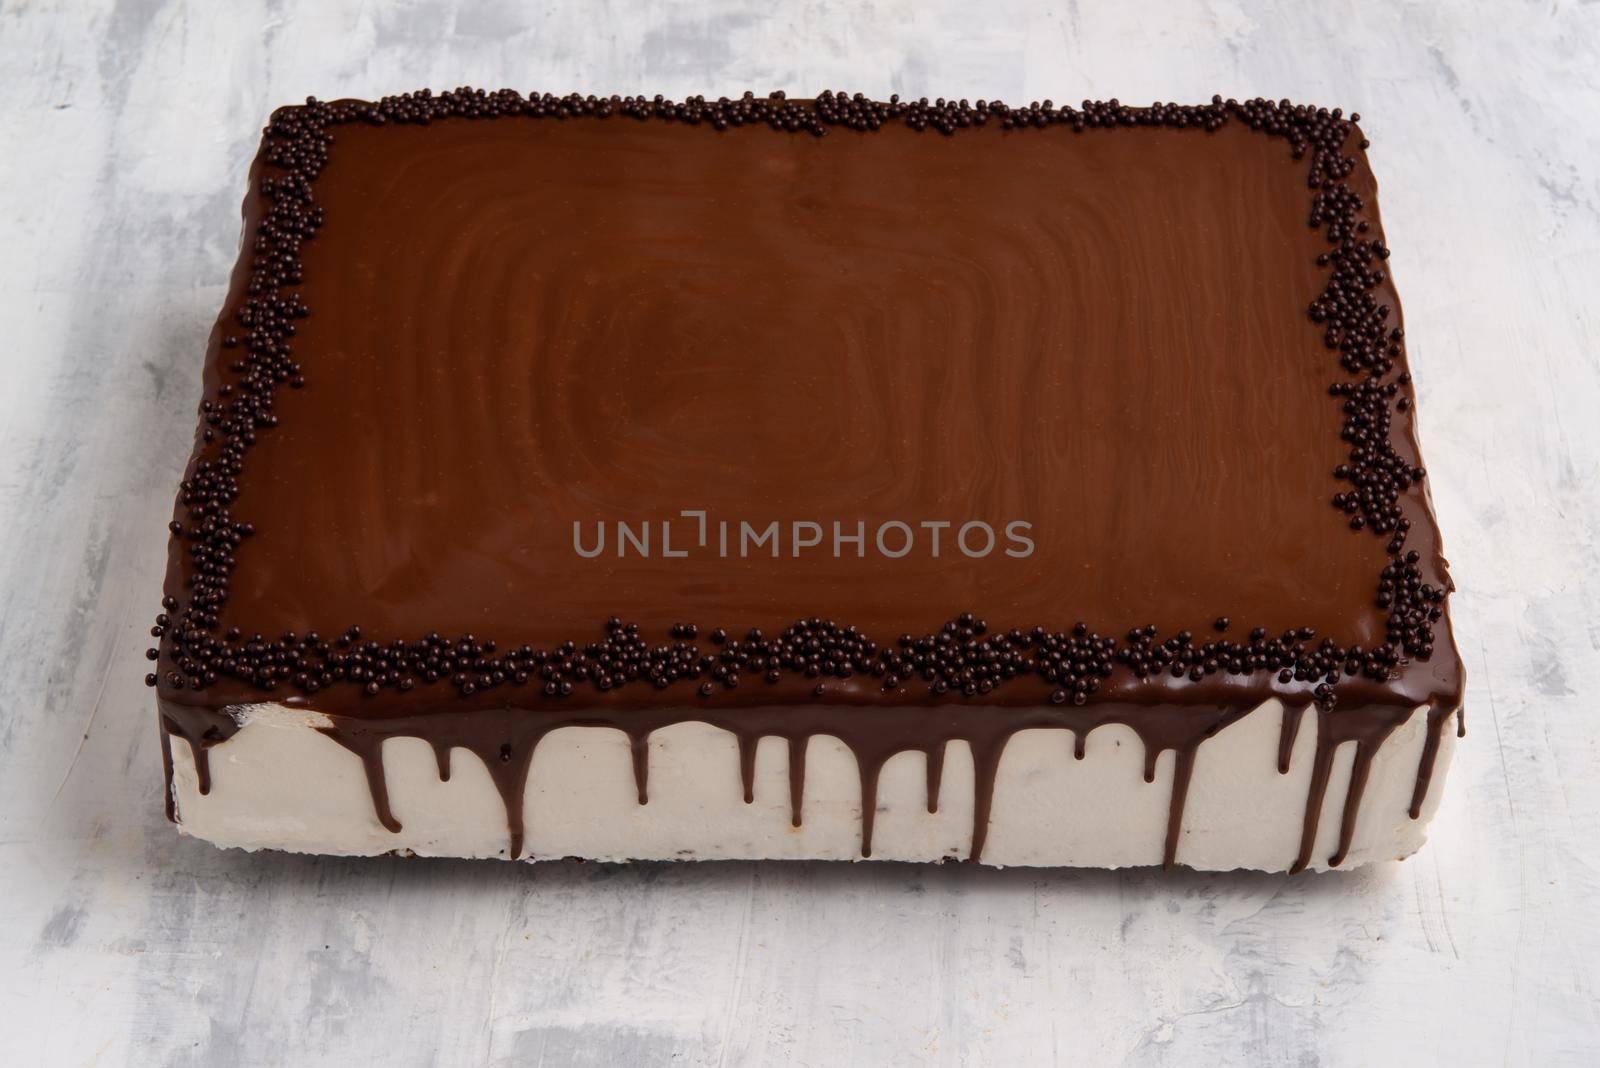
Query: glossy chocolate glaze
[[1104, 336], [520, 325]]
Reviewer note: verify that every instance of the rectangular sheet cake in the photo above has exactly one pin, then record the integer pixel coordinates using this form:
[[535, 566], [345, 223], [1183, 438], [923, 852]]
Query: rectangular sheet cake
[[762, 478]]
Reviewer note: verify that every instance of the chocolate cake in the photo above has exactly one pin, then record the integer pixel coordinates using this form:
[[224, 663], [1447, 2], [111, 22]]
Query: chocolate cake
[[947, 479]]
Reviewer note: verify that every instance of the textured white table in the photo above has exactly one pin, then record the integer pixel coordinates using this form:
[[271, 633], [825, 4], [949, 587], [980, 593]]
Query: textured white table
[[126, 129]]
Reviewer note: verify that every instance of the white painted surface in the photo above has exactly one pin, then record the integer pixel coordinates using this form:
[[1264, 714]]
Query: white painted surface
[[125, 134]]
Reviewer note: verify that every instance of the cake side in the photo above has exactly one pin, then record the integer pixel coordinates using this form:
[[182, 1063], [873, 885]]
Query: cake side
[[1178, 690], [1059, 798]]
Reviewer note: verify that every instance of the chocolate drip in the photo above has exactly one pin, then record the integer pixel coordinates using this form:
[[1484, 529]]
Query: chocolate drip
[[512, 782], [1183, 735], [869, 771], [371, 753], [797, 776], [503, 740], [985, 766], [1359, 773], [201, 729], [747, 763], [197, 749], [1319, 787], [1369, 731], [935, 775], [441, 756], [639, 742], [1437, 718], [1080, 743], [1292, 715], [1182, 772], [170, 802]]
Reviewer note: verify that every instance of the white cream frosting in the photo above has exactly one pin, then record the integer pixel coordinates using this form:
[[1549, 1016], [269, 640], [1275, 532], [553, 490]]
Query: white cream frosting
[[279, 783]]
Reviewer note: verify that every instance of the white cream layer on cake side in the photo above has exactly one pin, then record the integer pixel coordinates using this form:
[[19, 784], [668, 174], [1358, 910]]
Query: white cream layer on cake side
[[281, 783]]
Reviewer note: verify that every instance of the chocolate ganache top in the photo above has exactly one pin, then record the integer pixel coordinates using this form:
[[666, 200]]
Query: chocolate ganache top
[[491, 383]]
